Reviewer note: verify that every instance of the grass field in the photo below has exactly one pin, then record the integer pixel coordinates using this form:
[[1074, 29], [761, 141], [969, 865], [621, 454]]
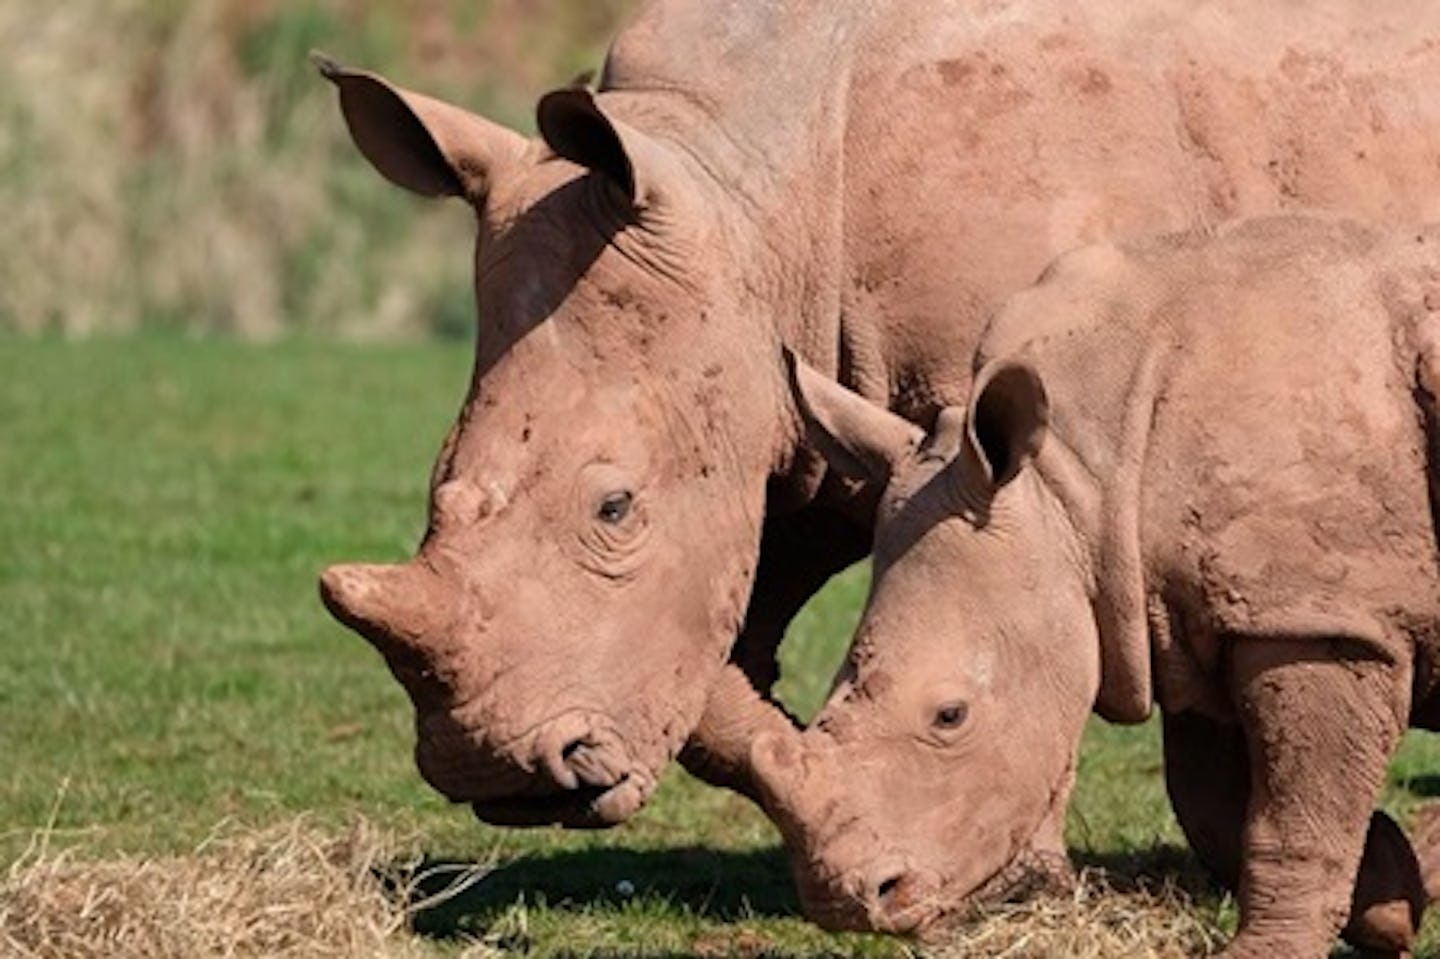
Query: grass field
[[165, 664]]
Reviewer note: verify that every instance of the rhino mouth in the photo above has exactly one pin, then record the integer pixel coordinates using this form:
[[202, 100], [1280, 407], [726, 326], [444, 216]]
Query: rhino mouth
[[573, 770], [1030, 873], [574, 809], [929, 914], [587, 807]]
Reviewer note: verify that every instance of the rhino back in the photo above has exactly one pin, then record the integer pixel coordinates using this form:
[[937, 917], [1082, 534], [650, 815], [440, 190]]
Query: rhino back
[[1285, 480], [914, 161], [1289, 491]]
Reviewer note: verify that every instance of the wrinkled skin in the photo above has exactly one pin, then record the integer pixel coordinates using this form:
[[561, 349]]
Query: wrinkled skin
[[1202, 459], [626, 514]]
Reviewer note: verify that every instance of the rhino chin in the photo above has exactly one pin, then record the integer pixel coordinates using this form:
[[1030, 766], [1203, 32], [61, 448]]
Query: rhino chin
[[588, 807]]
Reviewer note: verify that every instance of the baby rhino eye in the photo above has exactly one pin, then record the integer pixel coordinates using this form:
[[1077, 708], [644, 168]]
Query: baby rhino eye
[[951, 715], [615, 507]]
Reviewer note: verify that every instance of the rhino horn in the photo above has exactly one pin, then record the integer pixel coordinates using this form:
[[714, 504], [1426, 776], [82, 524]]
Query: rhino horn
[[777, 763], [858, 438], [403, 603]]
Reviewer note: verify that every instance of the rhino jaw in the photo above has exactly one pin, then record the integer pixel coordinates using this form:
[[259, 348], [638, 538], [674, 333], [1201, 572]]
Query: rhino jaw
[[574, 770], [585, 807]]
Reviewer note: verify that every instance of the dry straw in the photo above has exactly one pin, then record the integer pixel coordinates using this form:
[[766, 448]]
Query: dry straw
[[296, 890], [1096, 921], [287, 891]]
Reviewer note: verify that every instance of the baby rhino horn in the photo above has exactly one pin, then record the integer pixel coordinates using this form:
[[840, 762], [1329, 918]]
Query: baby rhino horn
[[405, 602], [776, 761]]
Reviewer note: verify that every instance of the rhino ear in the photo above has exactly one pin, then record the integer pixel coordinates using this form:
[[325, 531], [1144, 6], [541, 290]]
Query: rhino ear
[[857, 438], [417, 142], [1008, 419], [576, 127]]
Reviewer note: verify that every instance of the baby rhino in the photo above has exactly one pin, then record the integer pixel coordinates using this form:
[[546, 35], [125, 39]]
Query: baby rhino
[[1196, 472]]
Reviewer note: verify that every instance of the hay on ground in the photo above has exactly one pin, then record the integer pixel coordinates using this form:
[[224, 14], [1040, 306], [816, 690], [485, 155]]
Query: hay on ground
[[289, 891], [297, 891], [1096, 921]]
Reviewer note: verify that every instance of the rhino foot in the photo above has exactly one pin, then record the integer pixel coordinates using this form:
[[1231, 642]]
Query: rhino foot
[[1389, 899]]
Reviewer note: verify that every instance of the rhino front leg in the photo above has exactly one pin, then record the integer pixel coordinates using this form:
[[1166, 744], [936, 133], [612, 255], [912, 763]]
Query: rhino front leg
[[799, 552], [1321, 719], [1207, 774]]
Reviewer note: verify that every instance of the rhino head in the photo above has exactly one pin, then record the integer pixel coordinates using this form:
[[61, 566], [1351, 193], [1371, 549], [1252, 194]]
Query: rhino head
[[935, 777], [595, 511]]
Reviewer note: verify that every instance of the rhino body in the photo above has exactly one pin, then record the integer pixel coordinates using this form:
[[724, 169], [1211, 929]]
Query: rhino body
[[858, 182], [1197, 471]]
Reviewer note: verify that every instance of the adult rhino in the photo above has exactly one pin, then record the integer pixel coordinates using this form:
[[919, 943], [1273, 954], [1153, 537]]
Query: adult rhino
[[626, 514], [1197, 471]]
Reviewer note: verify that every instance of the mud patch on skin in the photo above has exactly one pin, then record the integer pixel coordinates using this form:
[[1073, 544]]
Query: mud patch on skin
[[1094, 81]]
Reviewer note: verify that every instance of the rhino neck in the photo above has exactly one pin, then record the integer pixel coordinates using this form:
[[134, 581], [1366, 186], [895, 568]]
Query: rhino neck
[[757, 96], [1103, 499], [755, 91], [782, 251]]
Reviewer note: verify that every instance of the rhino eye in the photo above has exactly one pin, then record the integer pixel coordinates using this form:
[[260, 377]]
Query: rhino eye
[[951, 715], [615, 507]]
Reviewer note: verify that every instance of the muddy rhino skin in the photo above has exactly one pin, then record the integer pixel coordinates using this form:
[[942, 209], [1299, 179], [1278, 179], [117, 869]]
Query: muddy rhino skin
[[626, 483], [1195, 469]]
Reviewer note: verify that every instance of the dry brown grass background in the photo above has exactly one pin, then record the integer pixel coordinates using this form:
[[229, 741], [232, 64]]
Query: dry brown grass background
[[177, 164]]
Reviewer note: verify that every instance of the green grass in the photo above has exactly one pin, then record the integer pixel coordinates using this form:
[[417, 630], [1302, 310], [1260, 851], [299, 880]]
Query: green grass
[[165, 664]]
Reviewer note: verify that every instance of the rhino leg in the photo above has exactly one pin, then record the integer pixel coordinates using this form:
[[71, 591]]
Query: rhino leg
[[1207, 774], [1321, 720], [799, 552]]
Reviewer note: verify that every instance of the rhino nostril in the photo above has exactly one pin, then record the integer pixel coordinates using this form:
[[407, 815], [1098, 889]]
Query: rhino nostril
[[886, 887], [571, 749]]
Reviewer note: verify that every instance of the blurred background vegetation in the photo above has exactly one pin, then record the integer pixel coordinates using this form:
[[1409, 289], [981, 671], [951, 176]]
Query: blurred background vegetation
[[178, 164]]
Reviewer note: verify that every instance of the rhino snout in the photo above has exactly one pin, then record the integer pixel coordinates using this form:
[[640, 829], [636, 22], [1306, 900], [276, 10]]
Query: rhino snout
[[898, 899], [573, 770], [881, 897], [865, 898], [575, 751]]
